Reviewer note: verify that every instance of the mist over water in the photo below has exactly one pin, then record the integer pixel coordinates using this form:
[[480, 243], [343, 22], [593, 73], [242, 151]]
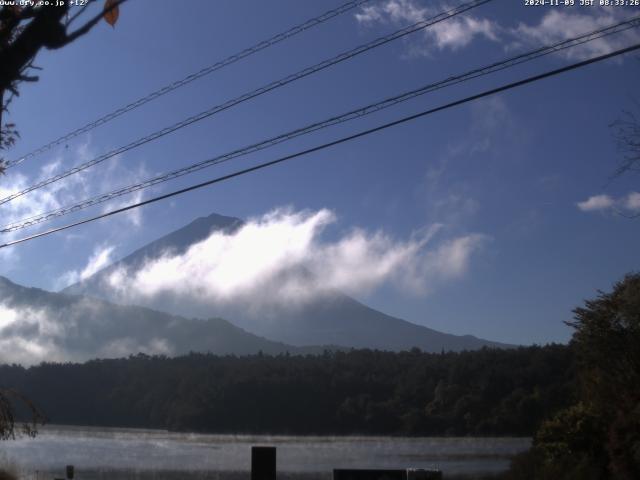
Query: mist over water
[[133, 453]]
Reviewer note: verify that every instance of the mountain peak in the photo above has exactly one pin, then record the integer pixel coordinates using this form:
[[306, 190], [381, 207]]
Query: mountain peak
[[217, 216], [331, 319], [180, 240], [214, 219], [176, 242]]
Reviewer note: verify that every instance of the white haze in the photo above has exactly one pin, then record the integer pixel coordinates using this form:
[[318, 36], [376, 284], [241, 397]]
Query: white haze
[[27, 335], [78, 331], [100, 258]]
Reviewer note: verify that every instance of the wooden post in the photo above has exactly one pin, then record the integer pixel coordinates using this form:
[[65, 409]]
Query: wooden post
[[263, 463]]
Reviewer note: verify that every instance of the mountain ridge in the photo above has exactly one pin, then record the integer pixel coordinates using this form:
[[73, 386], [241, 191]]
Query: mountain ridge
[[332, 318], [75, 327]]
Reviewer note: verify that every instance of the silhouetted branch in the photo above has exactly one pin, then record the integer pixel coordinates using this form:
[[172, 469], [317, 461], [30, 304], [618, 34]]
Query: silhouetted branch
[[626, 131], [86, 28], [9, 401], [23, 33], [80, 11]]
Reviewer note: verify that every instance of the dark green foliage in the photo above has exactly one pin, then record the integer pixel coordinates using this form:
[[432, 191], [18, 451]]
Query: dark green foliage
[[599, 436], [485, 392]]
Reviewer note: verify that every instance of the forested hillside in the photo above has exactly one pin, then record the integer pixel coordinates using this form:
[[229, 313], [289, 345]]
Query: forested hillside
[[485, 392]]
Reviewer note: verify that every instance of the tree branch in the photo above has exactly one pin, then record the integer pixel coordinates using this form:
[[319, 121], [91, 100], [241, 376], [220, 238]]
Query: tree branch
[[80, 11], [46, 29], [86, 28]]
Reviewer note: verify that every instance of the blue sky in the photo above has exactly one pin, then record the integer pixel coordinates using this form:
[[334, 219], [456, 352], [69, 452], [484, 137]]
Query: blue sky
[[521, 181]]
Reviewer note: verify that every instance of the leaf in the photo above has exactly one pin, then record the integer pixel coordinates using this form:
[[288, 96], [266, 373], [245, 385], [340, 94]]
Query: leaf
[[111, 12]]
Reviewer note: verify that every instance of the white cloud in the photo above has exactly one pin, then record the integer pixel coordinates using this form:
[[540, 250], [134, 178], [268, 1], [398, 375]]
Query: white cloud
[[452, 186], [459, 33], [66, 191], [100, 258], [555, 26], [453, 33], [115, 172], [397, 11], [369, 14], [41, 200], [281, 257], [630, 202], [74, 332], [596, 203], [562, 24], [452, 259], [27, 348], [133, 216]]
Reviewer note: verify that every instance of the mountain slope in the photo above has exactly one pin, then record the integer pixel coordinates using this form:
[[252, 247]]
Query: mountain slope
[[175, 242], [40, 325], [330, 319]]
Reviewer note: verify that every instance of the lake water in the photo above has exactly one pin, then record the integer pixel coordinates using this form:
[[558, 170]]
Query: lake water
[[111, 453]]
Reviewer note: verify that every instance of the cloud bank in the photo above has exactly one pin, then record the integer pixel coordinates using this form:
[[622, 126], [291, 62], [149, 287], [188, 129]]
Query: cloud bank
[[76, 331], [101, 257], [556, 25], [64, 192], [628, 204], [276, 262], [562, 24], [283, 257], [27, 335], [450, 34]]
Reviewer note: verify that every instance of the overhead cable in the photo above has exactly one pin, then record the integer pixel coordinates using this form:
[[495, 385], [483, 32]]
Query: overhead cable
[[252, 94], [191, 77], [344, 117], [324, 146]]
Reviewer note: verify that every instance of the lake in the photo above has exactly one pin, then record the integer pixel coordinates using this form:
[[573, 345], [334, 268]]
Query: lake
[[113, 453]]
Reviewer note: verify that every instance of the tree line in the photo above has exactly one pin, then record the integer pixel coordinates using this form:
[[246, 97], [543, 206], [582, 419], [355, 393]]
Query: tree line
[[485, 392], [580, 402]]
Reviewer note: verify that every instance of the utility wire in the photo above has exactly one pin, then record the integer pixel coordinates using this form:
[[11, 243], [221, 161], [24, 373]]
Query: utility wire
[[190, 78], [351, 115], [324, 146], [255, 93]]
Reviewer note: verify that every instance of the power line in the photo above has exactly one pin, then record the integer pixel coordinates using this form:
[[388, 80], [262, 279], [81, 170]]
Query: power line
[[351, 115], [324, 146], [254, 93], [315, 21]]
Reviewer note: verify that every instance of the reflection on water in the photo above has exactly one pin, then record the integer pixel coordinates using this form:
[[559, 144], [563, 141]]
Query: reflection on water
[[154, 454]]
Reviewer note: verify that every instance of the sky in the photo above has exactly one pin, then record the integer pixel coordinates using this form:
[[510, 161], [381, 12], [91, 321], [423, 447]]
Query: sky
[[495, 218]]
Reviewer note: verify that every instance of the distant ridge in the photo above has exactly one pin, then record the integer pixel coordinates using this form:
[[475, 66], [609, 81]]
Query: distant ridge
[[78, 328], [331, 319]]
